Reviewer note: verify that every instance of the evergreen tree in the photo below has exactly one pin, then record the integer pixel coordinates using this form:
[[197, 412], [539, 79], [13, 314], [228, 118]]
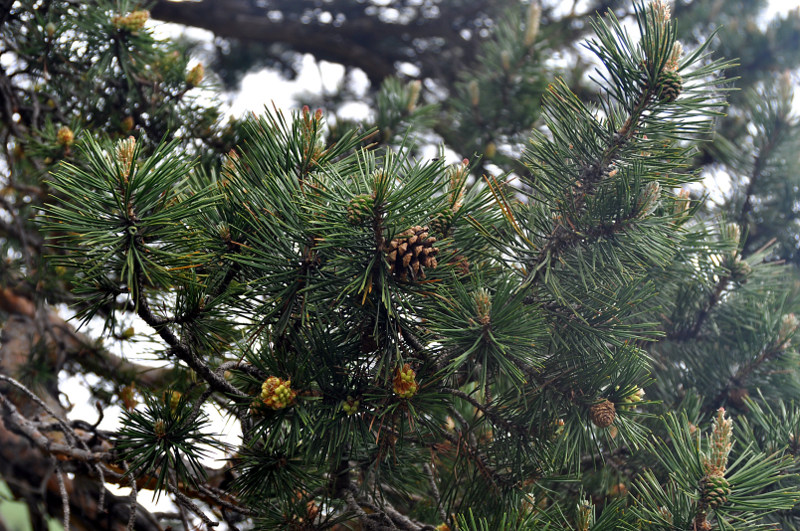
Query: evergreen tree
[[551, 334]]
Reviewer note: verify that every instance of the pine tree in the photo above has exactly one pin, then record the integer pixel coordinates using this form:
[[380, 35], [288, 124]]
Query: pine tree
[[551, 334]]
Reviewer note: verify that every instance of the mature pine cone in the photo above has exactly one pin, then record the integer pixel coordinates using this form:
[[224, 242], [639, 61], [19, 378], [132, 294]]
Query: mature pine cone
[[603, 413], [411, 251], [716, 490]]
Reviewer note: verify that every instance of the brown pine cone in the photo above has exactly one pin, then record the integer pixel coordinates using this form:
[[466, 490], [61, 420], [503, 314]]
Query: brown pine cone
[[411, 251], [603, 413]]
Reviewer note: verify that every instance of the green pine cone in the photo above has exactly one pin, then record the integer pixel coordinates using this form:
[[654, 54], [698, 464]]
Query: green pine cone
[[669, 86], [716, 490], [360, 209], [442, 222]]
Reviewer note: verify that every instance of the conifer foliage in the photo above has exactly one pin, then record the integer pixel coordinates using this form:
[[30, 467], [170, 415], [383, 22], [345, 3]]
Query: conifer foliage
[[395, 342]]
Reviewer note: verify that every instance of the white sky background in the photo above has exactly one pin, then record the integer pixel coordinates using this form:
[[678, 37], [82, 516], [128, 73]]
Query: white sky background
[[258, 89]]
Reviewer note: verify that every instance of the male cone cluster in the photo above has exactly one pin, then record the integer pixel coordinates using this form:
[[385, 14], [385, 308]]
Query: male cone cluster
[[602, 414], [405, 383], [412, 251], [276, 393]]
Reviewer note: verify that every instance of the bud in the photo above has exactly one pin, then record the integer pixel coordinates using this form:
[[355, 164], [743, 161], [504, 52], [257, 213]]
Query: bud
[[474, 92], [65, 136], [172, 398], [413, 94], [491, 150], [195, 76], [128, 333], [505, 60], [719, 444], [661, 11], [126, 150], [128, 397], [618, 490], [50, 29], [532, 24], [405, 384], [682, 202], [483, 303], [674, 57], [160, 429], [733, 233], [132, 22], [127, 124], [789, 324], [649, 199]]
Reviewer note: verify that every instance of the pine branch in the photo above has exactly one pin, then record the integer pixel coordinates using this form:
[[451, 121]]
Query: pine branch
[[705, 311]]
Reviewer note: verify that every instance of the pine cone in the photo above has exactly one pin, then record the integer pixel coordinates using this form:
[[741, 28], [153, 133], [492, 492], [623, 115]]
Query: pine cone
[[603, 413], [359, 209], [715, 490], [668, 86], [442, 222], [412, 250]]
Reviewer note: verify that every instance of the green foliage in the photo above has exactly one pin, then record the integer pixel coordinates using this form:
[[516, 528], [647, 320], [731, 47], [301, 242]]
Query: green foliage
[[408, 343], [165, 441]]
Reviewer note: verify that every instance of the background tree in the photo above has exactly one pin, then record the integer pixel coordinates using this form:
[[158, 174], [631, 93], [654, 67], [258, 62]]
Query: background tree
[[541, 336]]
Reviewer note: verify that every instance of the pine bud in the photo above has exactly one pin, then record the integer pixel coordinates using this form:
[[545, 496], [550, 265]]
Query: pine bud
[[65, 136], [789, 324], [413, 94], [50, 29], [618, 490], [491, 150], [405, 383], [195, 76], [127, 124], [532, 24], [126, 150], [649, 199], [719, 445], [661, 11], [474, 92], [483, 303], [128, 397], [132, 22], [160, 429], [603, 413], [172, 398], [505, 60], [682, 202]]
